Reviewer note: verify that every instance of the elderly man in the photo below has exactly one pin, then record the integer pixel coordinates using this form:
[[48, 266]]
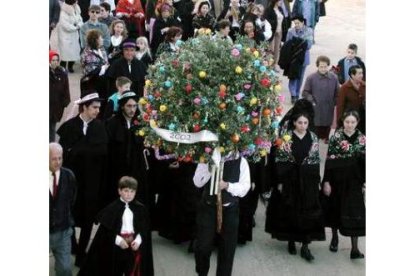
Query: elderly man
[[321, 89], [62, 192], [128, 66], [84, 141]]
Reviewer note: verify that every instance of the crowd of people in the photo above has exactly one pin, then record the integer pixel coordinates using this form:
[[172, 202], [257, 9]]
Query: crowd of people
[[101, 172]]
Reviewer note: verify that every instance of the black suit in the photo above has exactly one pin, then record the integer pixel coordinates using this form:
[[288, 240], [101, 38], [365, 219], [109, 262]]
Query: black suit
[[60, 207]]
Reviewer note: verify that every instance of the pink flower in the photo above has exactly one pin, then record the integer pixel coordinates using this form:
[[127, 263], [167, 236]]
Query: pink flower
[[247, 86], [207, 149], [344, 145], [254, 113], [362, 140], [286, 147], [239, 96], [197, 101], [235, 52], [281, 98]]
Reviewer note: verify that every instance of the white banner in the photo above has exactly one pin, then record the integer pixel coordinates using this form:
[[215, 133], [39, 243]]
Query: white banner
[[185, 137]]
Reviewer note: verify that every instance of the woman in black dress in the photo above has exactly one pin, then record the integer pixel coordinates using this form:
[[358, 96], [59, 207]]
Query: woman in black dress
[[294, 213], [344, 183]]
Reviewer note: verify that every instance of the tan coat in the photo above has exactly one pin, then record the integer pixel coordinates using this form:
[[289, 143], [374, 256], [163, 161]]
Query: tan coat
[[67, 32]]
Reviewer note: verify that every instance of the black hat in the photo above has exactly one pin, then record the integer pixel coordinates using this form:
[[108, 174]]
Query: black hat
[[89, 96], [128, 43], [126, 96]]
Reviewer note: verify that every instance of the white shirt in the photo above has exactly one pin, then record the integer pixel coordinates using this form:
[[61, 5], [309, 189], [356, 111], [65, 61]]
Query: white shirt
[[57, 173], [127, 225], [202, 176], [115, 41], [85, 125], [279, 21]]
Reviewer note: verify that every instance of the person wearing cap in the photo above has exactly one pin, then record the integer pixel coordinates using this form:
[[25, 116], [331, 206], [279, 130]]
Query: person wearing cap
[[132, 13], [128, 66], [126, 149], [161, 26], [85, 146], [59, 95], [93, 23], [68, 33]]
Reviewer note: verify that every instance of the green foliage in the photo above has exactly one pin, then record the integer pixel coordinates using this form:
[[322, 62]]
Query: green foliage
[[199, 89]]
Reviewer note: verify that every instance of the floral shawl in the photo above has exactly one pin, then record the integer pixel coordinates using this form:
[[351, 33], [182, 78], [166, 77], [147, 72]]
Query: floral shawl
[[284, 149], [340, 148]]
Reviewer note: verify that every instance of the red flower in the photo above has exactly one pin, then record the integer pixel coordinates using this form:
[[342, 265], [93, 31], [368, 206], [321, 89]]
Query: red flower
[[244, 129], [188, 88], [146, 117], [222, 94], [344, 145], [175, 63], [265, 82], [258, 141], [196, 128], [135, 122]]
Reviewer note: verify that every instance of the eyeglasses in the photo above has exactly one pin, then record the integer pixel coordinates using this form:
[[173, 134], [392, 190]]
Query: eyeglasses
[[97, 12]]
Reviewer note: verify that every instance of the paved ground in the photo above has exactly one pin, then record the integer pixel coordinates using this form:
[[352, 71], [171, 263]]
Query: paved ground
[[345, 23]]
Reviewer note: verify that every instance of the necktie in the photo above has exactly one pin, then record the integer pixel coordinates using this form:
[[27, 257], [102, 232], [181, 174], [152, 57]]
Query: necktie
[[54, 185]]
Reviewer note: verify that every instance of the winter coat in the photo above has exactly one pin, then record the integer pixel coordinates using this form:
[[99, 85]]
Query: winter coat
[[67, 31]]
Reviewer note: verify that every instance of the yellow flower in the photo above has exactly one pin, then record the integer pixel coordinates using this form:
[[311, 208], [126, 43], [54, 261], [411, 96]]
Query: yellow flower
[[141, 132], [286, 138], [202, 74], [263, 153], [247, 50], [148, 82], [223, 126], [256, 54], [239, 70], [221, 149], [163, 107], [253, 101], [153, 123], [278, 88], [142, 101]]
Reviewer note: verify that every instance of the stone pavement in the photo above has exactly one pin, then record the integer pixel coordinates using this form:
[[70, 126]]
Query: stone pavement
[[344, 24]]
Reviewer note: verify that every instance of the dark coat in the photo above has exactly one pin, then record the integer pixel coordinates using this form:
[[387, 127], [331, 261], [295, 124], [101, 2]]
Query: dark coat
[[295, 213], [120, 68], [60, 208], [207, 21], [345, 207], [292, 57], [126, 157], [157, 36], [351, 98], [270, 15], [86, 156], [105, 258], [54, 11], [342, 73], [59, 95]]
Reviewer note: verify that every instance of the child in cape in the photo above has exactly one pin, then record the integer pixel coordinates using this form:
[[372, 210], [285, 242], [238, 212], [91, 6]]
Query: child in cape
[[122, 244]]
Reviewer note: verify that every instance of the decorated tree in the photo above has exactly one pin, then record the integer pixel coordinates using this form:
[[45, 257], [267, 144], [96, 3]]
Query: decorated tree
[[211, 87]]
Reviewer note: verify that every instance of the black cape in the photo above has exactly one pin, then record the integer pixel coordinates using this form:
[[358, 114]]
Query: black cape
[[296, 213], [86, 156], [126, 157], [104, 257]]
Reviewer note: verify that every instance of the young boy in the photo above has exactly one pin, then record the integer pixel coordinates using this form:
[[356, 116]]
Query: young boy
[[122, 84], [347, 62], [122, 244]]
